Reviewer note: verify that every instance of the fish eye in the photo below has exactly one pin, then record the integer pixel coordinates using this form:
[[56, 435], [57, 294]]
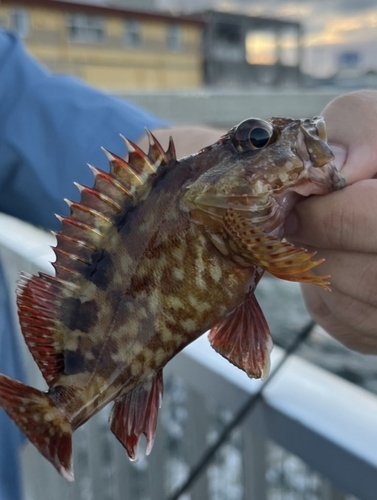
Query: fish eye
[[252, 134]]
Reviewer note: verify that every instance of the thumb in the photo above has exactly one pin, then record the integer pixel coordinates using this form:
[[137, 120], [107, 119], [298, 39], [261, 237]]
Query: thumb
[[351, 123], [340, 156]]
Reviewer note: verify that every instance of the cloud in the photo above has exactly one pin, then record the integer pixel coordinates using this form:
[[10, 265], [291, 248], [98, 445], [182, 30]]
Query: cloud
[[354, 5]]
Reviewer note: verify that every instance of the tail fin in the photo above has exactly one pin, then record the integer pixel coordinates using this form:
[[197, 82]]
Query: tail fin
[[41, 421]]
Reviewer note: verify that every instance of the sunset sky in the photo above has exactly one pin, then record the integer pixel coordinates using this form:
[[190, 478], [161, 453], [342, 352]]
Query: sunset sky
[[331, 27]]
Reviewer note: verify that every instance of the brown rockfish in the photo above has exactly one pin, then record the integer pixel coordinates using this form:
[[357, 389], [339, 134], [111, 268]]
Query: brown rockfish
[[156, 253]]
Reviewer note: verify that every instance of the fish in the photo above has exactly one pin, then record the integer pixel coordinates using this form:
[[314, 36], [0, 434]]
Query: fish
[[156, 253]]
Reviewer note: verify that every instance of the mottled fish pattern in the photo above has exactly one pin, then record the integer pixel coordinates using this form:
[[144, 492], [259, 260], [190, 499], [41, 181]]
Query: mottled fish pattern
[[156, 253]]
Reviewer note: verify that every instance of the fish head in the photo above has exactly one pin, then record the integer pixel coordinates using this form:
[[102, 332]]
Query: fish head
[[264, 166]]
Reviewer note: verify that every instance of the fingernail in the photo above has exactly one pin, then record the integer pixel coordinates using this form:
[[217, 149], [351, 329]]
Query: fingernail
[[340, 155], [291, 224]]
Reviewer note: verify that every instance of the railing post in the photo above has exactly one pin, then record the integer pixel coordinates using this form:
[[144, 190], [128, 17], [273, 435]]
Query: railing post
[[197, 429], [254, 457]]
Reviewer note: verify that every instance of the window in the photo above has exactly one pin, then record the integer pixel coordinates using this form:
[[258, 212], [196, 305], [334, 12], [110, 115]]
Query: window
[[132, 36], [19, 22], [229, 33], [174, 38], [85, 29], [261, 47], [289, 48]]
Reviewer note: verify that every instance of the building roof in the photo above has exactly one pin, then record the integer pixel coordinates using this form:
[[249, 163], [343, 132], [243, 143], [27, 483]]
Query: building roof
[[105, 9], [242, 18]]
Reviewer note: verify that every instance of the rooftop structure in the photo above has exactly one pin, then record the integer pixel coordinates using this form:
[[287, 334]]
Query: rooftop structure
[[248, 51]]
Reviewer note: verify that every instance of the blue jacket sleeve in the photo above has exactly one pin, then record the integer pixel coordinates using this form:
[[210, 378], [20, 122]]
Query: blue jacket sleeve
[[50, 127]]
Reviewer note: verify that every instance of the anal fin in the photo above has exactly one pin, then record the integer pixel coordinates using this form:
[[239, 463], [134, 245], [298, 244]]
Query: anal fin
[[135, 413], [244, 339]]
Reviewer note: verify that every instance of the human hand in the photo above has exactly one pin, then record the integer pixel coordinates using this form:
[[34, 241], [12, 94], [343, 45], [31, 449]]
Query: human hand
[[342, 227]]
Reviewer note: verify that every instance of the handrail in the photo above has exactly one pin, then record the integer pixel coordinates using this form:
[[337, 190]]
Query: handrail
[[328, 422], [201, 107]]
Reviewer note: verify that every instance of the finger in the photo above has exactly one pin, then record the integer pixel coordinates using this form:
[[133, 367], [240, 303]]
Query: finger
[[353, 274], [360, 335], [343, 220], [351, 122]]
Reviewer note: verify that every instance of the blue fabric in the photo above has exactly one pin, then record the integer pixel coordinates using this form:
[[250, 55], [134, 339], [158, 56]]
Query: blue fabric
[[50, 127], [10, 437]]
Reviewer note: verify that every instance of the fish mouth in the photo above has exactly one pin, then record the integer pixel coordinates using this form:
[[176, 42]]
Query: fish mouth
[[312, 145], [317, 159]]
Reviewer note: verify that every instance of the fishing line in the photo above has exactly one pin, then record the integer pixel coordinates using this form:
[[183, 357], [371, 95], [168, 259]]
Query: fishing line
[[198, 469]]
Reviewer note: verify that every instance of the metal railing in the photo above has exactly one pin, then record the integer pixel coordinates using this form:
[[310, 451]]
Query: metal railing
[[226, 108], [312, 436]]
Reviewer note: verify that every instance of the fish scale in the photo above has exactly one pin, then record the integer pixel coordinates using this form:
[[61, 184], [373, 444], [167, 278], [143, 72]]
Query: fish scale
[[157, 252]]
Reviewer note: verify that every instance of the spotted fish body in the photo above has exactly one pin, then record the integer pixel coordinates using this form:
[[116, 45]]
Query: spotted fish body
[[156, 253]]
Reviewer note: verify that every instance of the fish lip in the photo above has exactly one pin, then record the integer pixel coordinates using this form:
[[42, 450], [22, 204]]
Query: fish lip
[[315, 127], [312, 147], [317, 157], [329, 176]]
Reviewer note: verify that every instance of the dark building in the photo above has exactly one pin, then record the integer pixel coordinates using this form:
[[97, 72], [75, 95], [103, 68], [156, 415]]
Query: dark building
[[228, 39]]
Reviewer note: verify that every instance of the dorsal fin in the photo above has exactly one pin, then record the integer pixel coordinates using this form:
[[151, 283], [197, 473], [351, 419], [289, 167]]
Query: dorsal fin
[[92, 219], [140, 162], [83, 237], [170, 152], [37, 299], [156, 151]]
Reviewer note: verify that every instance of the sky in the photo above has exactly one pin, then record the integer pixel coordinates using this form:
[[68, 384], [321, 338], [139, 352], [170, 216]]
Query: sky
[[331, 27]]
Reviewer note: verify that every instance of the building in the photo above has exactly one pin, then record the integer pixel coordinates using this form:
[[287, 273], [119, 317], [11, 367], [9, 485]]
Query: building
[[110, 47], [241, 50]]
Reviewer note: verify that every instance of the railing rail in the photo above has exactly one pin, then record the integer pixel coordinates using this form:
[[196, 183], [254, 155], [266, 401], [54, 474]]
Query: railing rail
[[228, 107], [326, 421]]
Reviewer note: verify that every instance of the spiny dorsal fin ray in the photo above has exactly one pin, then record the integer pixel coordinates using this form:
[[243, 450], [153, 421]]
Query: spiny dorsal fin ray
[[140, 161], [81, 231], [170, 152], [111, 186], [120, 169], [156, 151], [93, 198]]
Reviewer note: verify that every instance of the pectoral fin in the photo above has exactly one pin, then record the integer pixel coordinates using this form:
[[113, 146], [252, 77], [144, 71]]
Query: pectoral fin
[[280, 258], [136, 413], [244, 339]]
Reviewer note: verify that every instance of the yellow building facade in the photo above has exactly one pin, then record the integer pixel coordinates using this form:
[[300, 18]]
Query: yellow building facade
[[110, 48]]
